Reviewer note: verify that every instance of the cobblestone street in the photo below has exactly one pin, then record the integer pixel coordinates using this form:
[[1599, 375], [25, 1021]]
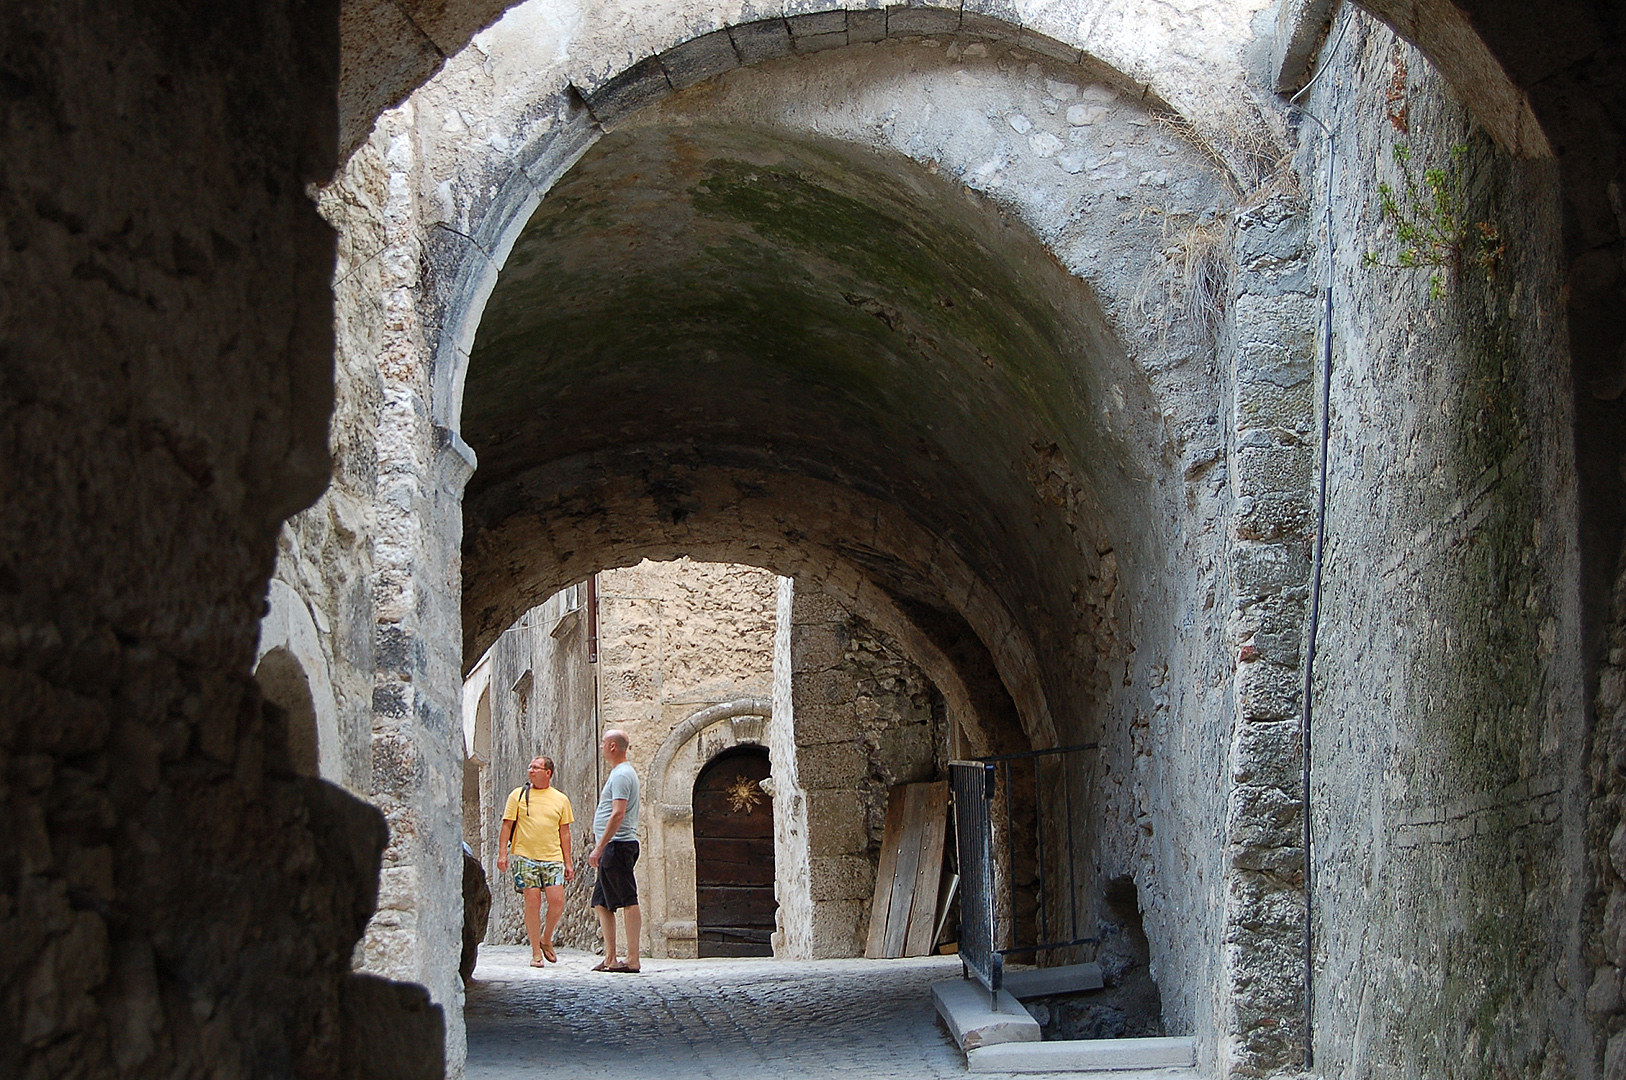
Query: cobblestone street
[[720, 1019]]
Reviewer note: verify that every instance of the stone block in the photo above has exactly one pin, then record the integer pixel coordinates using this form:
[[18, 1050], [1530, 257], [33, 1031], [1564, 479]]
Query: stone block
[[817, 722], [1266, 913], [819, 42], [1268, 691], [1614, 926], [1276, 338], [1043, 982], [1300, 28], [1272, 467], [905, 753], [1603, 996], [1264, 238], [840, 929], [841, 877], [455, 270], [836, 823], [995, 19], [759, 41], [699, 59], [1266, 569], [546, 159], [1045, 45], [1085, 1055], [1273, 516], [681, 930], [1279, 646], [383, 51], [923, 17], [976, 1018], [1257, 814], [826, 687], [1262, 404], [642, 84], [865, 26], [816, 647], [1268, 754], [1286, 863], [1614, 1057], [832, 765], [380, 1013], [816, 24]]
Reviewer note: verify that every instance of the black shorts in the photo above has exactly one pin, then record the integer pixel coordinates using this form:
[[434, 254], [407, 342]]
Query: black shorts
[[615, 887]]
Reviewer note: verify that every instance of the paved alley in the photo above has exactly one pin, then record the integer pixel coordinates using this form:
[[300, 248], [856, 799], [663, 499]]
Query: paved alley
[[717, 1019]]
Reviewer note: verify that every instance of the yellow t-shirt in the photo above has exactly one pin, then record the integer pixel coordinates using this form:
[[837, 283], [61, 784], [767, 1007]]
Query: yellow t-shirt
[[536, 826]]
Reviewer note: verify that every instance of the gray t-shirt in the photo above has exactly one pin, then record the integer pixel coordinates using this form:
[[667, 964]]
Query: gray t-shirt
[[622, 784]]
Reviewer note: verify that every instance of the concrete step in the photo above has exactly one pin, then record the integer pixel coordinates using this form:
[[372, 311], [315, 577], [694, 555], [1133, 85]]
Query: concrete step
[[1167, 1058], [1043, 982], [975, 1022]]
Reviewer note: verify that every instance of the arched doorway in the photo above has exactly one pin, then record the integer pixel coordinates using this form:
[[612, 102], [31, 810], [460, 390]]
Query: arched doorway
[[733, 855]]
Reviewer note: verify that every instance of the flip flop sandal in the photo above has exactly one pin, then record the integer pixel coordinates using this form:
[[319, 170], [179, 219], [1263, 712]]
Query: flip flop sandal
[[603, 966], [624, 968], [552, 957], [536, 961]]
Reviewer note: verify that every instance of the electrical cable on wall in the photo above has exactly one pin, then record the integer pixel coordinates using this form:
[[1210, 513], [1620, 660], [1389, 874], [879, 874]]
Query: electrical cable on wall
[[1313, 622]]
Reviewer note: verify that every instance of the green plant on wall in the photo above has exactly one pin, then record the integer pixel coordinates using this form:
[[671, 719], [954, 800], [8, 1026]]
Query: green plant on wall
[[1431, 224]]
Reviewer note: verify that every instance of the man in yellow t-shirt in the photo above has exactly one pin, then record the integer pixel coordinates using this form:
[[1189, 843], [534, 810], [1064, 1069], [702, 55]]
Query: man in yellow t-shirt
[[537, 823]]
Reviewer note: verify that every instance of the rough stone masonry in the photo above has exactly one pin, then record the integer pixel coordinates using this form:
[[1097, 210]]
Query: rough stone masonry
[[1022, 455]]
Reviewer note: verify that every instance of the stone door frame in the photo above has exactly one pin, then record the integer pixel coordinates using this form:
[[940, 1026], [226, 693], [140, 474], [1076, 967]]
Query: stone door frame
[[669, 907]]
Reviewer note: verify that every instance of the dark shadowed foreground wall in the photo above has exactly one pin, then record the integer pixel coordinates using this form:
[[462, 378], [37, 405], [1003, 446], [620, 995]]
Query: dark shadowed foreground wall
[[173, 901], [1449, 735]]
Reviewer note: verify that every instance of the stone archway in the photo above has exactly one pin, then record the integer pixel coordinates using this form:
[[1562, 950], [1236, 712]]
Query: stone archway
[[968, 503], [195, 450], [291, 668]]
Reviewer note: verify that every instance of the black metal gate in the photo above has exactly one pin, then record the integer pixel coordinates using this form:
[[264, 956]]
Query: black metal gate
[[1063, 867], [973, 783]]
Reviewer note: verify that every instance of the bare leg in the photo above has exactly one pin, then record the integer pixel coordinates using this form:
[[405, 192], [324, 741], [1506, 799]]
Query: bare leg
[[533, 922], [606, 925], [635, 922], [556, 908]]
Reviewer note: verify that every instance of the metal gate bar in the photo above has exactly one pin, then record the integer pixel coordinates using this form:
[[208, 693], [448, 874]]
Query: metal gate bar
[[973, 786], [975, 792]]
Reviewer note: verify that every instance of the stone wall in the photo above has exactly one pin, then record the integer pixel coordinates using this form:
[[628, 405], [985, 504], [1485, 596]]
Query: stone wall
[[1604, 922], [418, 471], [1449, 739], [684, 649], [325, 553], [173, 900], [684, 653], [165, 293], [1271, 469], [864, 718], [542, 696]]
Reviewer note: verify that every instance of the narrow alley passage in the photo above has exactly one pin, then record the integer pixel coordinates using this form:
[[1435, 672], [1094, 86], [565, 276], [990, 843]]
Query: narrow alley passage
[[719, 1019]]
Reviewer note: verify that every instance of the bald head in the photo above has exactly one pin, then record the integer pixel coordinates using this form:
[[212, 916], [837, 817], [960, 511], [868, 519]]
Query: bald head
[[614, 745]]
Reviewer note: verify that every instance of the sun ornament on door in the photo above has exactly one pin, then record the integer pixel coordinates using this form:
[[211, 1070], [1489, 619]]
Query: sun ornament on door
[[744, 795]]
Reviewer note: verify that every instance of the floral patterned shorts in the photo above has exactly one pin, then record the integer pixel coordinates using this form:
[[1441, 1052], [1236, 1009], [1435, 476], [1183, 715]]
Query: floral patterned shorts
[[531, 874]]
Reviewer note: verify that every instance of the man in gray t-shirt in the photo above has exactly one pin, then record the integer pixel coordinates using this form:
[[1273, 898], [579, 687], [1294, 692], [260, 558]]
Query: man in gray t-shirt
[[615, 853]]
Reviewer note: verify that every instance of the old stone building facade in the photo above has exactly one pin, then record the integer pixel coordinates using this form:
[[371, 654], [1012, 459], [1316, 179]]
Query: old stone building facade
[[1067, 355]]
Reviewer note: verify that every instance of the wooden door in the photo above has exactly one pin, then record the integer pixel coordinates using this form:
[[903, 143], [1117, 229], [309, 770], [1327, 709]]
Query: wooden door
[[733, 855]]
